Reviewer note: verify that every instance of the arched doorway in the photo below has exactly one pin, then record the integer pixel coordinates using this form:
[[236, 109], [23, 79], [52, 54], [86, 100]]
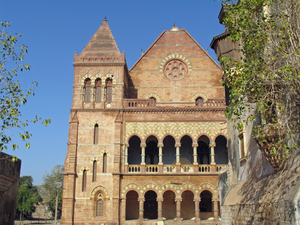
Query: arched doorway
[[151, 151], [169, 205], [169, 151], [221, 152], [205, 205], [187, 205], [132, 205], [186, 151], [134, 151], [150, 205], [203, 150]]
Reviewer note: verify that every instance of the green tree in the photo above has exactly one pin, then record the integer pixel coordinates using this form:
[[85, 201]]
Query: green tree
[[12, 97], [267, 78], [53, 185], [28, 197]]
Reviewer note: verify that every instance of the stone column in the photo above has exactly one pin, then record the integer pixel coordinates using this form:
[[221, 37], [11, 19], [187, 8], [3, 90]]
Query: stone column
[[195, 164], [178, 168], [212, 156], [159, 209], [143, 163], [141, 209], [197, 211], [216, 209], [160, 155], [178, 209], [126, 157], [103, 91]]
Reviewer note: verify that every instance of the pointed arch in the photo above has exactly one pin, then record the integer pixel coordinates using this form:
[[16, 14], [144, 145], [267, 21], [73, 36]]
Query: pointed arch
[[99, 189], [153, 95], [199, 95]]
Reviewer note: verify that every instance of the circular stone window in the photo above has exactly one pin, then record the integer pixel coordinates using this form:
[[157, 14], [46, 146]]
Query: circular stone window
[[175, 69]]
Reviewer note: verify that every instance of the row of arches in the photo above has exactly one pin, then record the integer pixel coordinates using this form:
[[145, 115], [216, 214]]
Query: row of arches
[[169, 207], [99, 91], [169, 152]]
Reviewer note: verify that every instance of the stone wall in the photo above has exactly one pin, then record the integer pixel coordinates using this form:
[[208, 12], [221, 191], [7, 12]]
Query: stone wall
[[9, 182]]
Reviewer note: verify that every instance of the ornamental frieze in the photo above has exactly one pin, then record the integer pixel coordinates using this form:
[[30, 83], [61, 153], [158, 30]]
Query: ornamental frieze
[[177, 129]]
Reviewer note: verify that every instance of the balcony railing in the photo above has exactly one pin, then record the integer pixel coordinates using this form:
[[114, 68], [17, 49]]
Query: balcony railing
[[134, 168], [151, 168], [223, 167], [138, 103], [212, 103], [203, 168]]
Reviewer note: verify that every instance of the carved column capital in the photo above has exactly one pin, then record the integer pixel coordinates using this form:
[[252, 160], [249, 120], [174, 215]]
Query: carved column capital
[[177, 145], [160, 145], [212, 144], [143, 145]]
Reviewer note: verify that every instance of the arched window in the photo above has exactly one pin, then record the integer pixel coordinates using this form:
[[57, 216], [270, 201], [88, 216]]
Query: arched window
[[108, 90], [199, 101], [94, 170], [87, 90], [84, 180], [98, 83], [99, 205], [104, 163], [96, 134]]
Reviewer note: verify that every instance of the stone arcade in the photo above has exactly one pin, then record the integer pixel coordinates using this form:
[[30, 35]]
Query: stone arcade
[[145, 144]]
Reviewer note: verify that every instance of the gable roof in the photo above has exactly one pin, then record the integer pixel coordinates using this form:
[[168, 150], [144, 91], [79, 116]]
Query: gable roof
[[174, 29], [102, 44]]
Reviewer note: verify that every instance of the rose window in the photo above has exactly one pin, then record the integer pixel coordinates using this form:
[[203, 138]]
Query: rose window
[[175, 69]]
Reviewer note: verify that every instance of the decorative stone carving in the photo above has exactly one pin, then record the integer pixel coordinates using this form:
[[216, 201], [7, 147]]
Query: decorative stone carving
[[175, 69]]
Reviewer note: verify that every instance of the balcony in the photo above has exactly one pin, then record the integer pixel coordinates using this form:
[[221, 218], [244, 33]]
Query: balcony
[[169, 169], [138, 103], [150, 103]]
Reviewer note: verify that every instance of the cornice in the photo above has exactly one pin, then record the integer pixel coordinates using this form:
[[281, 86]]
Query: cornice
[[156, 110], [99, 64]]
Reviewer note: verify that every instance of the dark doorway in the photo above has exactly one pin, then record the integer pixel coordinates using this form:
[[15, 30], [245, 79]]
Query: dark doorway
[[150, 205], [169, 205], [132, 206], [151, 153], [205, 204], [203, 153]]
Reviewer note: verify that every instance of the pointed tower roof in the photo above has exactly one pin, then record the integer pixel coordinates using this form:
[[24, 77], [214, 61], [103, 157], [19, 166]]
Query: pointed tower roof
[[102, 44]]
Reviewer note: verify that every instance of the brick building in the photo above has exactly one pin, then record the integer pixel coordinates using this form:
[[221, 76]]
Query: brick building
[[145, 144]]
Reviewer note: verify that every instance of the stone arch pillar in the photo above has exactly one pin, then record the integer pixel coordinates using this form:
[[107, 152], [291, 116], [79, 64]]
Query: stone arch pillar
[[195, 155], [141, 209], [160, 155], [143, 154], [159, 209], [197, 210], [212, 146], [216, 208], [178, 209], [178, 167]]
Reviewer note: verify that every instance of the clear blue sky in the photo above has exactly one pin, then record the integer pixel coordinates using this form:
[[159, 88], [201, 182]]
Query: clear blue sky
[[54, 30]]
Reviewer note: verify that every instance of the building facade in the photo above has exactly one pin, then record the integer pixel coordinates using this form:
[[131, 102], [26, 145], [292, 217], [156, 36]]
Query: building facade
[[145, 144]]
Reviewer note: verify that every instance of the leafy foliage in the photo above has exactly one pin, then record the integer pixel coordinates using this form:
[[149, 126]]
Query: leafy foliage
[[12, 97], [53, 183], [268, 74], [28, 197]]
